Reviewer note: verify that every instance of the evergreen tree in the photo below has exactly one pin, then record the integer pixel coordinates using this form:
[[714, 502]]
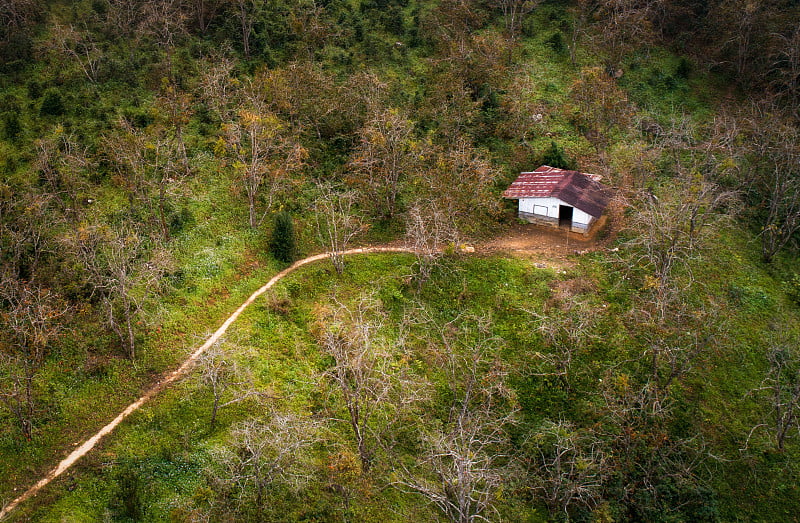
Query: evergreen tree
[[556, 157], [283, 242]]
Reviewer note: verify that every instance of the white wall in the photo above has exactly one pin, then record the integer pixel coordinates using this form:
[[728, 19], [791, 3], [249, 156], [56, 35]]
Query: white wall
[[548, 207], [578, 216], [536, 205]]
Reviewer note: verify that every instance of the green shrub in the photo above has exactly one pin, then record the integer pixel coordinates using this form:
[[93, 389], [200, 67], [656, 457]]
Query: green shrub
[[556, 42], [52, 103], [283, 241], [128, 498], [12, 127], [556, 157]]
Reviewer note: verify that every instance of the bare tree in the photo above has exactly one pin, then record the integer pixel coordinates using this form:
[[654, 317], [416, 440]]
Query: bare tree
[[264, 454], [566, 465], [780, 394], [761, 144], [337, 222], [514, 11], [383, 159], [229, 382], [264, 152], [642, 454], [174, 110], [15, 14], [524, 112], [782, 187], [671, 228], [428, 231], [598, 106], [147, 165], [567, 331], [246, 12], [622, 26], [78, 46], [459, 164], [121, 270], [164, 22], [61, 162], [34, 317], [218, 87], [465, 458], [786, 69], [205, 12], [372, 381], [26, 222]]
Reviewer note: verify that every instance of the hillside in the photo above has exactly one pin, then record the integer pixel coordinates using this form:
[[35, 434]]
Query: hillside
[[161, 160]]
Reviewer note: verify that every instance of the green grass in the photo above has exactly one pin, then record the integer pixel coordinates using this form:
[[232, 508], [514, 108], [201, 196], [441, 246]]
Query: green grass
[[168, 443]]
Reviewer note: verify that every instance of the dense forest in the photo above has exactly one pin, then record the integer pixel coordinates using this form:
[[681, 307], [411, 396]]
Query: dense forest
[[162, 159]]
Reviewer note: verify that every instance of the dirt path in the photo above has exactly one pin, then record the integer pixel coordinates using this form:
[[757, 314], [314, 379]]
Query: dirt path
[[90, 443], [548, 247]]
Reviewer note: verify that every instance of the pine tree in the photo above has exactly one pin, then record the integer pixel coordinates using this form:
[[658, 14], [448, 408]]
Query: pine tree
[[556, 157], [283, 242]]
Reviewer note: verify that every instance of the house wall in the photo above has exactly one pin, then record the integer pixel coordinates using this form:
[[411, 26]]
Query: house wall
[[545, 211]]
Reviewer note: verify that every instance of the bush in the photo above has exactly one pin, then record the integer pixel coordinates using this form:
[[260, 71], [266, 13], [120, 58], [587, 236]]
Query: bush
[[556, 157], [52, 104], [283, 241], [127, 500], [12, 127]]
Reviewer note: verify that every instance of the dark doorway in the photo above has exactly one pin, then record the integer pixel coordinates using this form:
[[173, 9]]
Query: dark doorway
[[565, 216]]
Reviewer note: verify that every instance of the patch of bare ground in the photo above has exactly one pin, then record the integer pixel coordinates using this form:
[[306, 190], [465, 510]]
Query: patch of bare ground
[[544, 245]]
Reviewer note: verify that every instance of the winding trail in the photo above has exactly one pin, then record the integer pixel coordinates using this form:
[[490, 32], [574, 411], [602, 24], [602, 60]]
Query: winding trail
[[90, 443]]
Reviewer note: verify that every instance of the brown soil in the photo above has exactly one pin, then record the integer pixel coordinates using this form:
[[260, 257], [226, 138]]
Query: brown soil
[[548, 246]]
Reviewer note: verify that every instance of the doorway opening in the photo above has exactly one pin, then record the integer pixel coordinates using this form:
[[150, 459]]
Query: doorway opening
[[565, 216]]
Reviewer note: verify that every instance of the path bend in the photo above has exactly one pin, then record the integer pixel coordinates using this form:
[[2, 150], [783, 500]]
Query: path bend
[[90, 443]]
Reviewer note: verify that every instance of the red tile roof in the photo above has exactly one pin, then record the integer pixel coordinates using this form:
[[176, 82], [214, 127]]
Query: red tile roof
[[580, 190]]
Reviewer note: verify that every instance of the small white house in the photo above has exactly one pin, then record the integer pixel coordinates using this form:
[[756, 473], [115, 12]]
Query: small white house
[[559, 198]]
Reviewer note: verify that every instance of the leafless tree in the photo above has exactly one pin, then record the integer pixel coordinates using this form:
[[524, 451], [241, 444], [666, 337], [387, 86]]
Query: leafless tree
[[61, 161], [78, 46], [670, 230], [567, 331], [337, 222], [641, 451], [621, 26], [383, 159], [123, 272], [174, 111], [205, 11], [264, 152], [34, 317], [246, 12], [524, 113], [786, 69], [566, 465], [263, 454], [373, 382], [459, 164], [147, 163], [26, 221], [514, 11], [164, 22], [466, 457], [598, 106], [229, 382], [783, 193], [429, 231], [780, 394], [760, 144], [15, 14], [218, 87]]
